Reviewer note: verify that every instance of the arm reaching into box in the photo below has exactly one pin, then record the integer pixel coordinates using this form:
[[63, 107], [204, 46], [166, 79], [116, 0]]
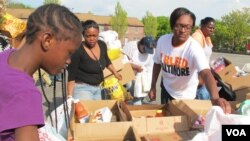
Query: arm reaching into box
[[156, 71], [114, 72], [211, 86]]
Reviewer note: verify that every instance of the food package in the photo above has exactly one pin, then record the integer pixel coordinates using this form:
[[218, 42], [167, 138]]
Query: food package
[[116, 90], [114, 53], [101, 115], [12, 25]]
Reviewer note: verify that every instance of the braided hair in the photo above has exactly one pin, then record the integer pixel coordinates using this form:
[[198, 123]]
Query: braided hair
[[62, 23]]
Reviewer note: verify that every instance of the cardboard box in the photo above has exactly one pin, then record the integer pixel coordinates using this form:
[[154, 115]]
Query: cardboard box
[[127, 74], [142, 111], [118, 65], [242, 94], [238, 83], [191, 108], [147, 127], [227, 72], [172, 128], [103, 131], [227, 75], [116, 131]]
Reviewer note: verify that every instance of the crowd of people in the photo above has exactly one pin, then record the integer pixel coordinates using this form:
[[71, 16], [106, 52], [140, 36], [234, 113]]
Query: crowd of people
[[55, 39]]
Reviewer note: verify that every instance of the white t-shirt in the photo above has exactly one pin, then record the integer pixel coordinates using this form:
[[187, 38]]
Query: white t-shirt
[[180, 66], [208, 51], [144, 78]]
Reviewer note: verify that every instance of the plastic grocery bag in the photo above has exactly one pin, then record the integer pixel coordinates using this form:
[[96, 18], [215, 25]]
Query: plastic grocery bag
[[246, 68], [48, 133], [110, 37], [115, 89], [61, 120], [215, 117]]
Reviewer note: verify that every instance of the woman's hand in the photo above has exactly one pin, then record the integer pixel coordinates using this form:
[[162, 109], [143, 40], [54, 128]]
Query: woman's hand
[[224, 104], [152, 94], [118, 76]]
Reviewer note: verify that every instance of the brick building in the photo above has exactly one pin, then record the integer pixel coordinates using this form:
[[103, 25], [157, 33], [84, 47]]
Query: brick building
[[135, 29]]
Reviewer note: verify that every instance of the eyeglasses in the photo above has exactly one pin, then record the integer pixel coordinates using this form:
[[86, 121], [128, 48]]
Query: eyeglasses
[[181, 26]]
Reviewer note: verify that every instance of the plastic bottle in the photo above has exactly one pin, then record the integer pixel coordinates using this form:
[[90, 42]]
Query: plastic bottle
[[158, 113], [80, 112]]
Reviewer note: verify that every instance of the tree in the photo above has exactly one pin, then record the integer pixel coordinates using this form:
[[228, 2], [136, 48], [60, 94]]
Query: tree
[[119, 21], [238, 23], [221, 36], [150, 24], [10, 4], [52, 1], [163, 26]]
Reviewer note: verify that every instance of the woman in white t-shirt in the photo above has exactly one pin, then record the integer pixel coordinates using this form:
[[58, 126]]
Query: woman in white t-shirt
[[180, 58], [203, 36]]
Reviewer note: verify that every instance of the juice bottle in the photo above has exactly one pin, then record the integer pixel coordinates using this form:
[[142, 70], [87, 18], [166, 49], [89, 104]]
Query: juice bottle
[[80, 112], [158, 113]]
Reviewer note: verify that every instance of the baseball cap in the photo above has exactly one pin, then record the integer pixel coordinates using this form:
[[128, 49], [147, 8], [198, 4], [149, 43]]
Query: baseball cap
[[149, 44]]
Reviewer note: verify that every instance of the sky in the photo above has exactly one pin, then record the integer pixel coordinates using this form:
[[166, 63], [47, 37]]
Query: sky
[[138, 8]]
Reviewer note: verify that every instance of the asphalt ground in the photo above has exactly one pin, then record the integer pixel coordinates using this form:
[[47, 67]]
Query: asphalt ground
[[236, 59]]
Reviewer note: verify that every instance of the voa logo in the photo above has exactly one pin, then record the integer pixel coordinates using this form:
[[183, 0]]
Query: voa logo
[[236, 132]]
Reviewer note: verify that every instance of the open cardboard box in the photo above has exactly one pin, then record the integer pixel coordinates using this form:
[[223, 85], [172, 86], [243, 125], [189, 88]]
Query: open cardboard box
[[227, 75], [238, 83], [187, 108], [228, 71], [191, 108], [116, 131], [103, 131], [242, 94], [172, 128], [141, 111]]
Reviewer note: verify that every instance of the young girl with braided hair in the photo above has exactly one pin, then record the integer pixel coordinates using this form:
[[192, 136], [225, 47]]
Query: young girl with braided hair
[[53, 34]]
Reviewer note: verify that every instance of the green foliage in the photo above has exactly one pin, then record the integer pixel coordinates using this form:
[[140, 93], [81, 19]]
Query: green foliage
[[150, 24], [237, 24], [52, 1], [163, 26], [119, 21], [221, 36], [17, 5]]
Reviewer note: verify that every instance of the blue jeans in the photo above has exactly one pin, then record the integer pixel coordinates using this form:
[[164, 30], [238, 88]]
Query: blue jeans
[[87, 92], [202, 93]]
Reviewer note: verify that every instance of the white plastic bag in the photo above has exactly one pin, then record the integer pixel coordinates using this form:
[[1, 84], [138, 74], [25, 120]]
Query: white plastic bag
[[48, 133], [61, 121], [110, 37], [246, 68], [214, 119], [146, 81]]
